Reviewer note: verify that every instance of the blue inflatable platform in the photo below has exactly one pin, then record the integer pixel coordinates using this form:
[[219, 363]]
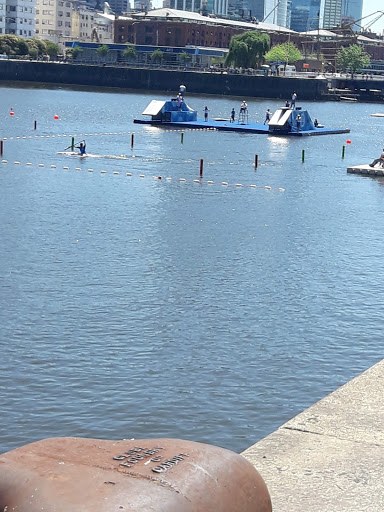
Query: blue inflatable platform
[[285, 121]]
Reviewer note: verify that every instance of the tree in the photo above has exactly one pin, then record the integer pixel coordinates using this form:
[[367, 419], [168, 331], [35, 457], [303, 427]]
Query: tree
[[22, 47], [36, 48], [74, 52], [285, 52], [185, 57], [9, 44], [129, 52], [102, 50], [52, 49], [352, 58], [33, 52], [157, 56], [247, 50]]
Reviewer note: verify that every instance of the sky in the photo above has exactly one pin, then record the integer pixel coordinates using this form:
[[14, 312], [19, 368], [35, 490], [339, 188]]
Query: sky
[[369, 7]]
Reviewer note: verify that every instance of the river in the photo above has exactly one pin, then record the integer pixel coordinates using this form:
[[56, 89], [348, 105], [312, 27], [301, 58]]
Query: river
[[135, 307]]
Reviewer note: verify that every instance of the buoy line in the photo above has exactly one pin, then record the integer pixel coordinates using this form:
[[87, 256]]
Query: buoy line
[[76, 135], [158, 177]]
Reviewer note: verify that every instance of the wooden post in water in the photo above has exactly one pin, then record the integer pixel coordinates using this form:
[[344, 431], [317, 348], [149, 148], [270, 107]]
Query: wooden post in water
[[35, 125], [132, 140], [201, 167], [1, 147], [182, 138], [256, 161], [303, 156], [73, 144], [343, 152]]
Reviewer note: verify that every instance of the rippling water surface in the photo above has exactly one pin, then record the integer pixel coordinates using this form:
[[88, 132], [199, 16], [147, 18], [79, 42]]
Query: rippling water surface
[[136, 307]]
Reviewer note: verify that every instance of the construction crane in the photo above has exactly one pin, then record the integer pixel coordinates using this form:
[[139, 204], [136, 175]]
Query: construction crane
[[355, 22]]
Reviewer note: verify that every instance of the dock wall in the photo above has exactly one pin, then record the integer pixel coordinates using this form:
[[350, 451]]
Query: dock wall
[[331, 456], [162, 80]]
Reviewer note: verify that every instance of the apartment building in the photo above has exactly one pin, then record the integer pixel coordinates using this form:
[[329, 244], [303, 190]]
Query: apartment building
[[17, 17], [53, 19]]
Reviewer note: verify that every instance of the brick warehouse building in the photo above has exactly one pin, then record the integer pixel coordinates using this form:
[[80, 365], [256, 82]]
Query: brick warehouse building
[[190, 29]]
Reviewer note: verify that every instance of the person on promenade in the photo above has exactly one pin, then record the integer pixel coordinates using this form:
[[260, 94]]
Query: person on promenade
[[267, 116], [293, 100], [233, 114], [206, 110], [378, 160], [287, 104]]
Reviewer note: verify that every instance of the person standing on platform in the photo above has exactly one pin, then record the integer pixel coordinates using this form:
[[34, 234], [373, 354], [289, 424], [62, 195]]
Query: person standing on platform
[[233, 114], [206, 110], [293, 100], [298, 122], [267, 116]]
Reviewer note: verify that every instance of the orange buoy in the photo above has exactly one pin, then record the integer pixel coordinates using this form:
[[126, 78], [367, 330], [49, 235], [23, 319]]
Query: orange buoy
[[55, 116], [348, 141], [11, 113]]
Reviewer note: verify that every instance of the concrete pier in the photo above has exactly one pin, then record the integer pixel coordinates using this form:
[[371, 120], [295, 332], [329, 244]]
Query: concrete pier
[[331, 456], [365, 170]]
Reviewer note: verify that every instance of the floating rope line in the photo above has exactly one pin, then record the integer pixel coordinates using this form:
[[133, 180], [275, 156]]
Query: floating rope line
[[158, 177], [146, 132]]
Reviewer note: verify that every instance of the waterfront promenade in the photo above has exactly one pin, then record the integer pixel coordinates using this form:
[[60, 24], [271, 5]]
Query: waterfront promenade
[[331, 456]]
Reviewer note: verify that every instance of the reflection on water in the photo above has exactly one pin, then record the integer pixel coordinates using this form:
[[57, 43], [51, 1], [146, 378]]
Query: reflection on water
[[141, 307]]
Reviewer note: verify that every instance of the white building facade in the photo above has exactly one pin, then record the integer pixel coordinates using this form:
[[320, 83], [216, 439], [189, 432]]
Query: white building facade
[[17, 17]]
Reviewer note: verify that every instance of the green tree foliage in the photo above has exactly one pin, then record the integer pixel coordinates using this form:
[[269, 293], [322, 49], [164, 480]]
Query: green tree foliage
[[185, 57], [286, 52], [352, 58], [33, 52], [129, 52], [102, 50], [22, 47], [53, 49], [157, 56], [247, 50], [74, 52], [37, 45], [9, 44]]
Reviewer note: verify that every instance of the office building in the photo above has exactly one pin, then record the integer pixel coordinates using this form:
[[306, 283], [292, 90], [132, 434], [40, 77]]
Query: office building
[[120, 6], [219, 7], [352, 10], [306, 15], [332, 13]]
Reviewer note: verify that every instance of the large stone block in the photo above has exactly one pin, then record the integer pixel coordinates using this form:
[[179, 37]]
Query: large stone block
[[148, 475]]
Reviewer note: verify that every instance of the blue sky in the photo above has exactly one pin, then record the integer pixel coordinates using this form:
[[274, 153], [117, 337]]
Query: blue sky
[[369, 7]]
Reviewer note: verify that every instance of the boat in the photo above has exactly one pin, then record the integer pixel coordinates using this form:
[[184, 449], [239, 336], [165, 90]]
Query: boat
[[378, 114], [285, 121]]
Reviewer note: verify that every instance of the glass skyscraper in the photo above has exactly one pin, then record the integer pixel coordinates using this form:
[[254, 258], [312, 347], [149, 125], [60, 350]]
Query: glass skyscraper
[[332, 13], [306, 14], [352, 10]]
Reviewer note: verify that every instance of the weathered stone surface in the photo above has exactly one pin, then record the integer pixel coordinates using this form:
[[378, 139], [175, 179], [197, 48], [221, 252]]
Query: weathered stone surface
[[157, 475], [331, 456]]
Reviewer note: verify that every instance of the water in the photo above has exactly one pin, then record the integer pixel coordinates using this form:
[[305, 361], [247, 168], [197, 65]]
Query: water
[[134, 307]]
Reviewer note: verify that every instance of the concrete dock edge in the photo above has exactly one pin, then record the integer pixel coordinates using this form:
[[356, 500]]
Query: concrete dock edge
[[331, 456]]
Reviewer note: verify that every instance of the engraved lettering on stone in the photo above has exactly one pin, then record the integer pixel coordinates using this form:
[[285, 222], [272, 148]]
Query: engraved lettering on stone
[[136, 455], [169, 463]]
